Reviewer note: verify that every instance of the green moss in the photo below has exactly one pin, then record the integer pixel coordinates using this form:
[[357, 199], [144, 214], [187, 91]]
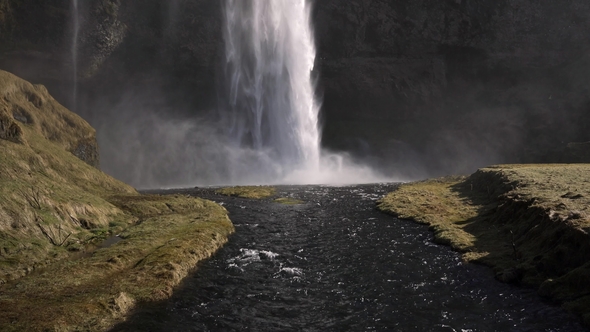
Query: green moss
[[256, 192], [289, 201]]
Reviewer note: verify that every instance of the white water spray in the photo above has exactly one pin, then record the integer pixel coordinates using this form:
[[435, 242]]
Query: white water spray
[[270, 56], [74, 51], [273, 122]]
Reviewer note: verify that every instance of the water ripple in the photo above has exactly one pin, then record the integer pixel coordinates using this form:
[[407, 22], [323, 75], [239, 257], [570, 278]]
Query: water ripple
[[336, 264]]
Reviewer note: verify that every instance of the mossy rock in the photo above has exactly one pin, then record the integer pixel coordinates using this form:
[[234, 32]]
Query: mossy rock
[[289, 201], [255, 192]]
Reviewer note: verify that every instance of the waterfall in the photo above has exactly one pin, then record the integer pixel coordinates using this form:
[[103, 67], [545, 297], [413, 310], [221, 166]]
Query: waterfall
[[74, 51], [273, 112]]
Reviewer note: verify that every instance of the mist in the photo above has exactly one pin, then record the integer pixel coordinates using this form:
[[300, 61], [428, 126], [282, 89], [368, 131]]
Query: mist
[[147, 147]]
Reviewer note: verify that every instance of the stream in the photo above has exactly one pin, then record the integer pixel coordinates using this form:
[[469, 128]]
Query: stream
[[335, 263]]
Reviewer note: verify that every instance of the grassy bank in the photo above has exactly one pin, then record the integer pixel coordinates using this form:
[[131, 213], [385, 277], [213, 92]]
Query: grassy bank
[[257, 192], [94, 291], [57, 273], [254, 192], [529, 223]]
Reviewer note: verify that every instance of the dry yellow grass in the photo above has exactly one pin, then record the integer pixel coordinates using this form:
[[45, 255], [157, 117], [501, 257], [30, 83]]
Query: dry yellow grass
[[454, 218], [55, 210], [50, 201], [288, 201], [530, 223], [255, 192], [94, 292]]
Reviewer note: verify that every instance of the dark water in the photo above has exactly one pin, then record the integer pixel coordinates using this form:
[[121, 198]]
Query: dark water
[[337, 264]]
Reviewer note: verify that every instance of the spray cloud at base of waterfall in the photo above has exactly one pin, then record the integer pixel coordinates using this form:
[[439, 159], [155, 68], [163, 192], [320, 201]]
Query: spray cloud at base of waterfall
[[143, 145]]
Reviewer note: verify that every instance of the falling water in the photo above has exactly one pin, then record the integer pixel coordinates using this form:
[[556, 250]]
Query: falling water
[[270, 55], [74, 51]]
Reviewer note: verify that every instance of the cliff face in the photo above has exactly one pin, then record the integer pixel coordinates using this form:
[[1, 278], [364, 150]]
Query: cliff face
[[422, 87], [454, 83]]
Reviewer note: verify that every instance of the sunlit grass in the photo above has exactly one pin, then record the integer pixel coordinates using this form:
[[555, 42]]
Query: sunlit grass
[[288, 201], [255, 192], [152, 258], [55, 210], [530, 223]]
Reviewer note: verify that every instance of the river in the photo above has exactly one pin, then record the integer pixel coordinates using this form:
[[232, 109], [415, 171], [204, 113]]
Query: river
[[334, 263]]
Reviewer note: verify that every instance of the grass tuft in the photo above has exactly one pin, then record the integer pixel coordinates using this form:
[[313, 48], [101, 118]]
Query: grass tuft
[[288, 201], [255, 192]]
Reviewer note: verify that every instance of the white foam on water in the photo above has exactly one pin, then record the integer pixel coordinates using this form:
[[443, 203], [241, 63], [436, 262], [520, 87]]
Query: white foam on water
[[248, 256], [269, 254], [291, 271]]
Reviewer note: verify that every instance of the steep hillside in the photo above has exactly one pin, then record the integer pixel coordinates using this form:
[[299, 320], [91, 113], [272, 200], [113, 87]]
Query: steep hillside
[[51, 202], [57, 272]]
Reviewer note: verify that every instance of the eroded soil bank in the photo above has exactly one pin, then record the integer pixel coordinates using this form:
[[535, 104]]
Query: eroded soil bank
[[529, 223], [93, 292]]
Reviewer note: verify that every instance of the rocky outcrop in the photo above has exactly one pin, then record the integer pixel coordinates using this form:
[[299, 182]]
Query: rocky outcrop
[[31, 105], [103, 32]]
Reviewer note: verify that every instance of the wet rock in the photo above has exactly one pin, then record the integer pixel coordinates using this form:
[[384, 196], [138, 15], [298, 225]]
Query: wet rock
[[103, 34], [579, 151], [405, 64]]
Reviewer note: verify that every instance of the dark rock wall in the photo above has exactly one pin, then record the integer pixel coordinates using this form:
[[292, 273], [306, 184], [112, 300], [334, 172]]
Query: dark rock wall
[[453, 84], [419, 87], [33, 39]]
